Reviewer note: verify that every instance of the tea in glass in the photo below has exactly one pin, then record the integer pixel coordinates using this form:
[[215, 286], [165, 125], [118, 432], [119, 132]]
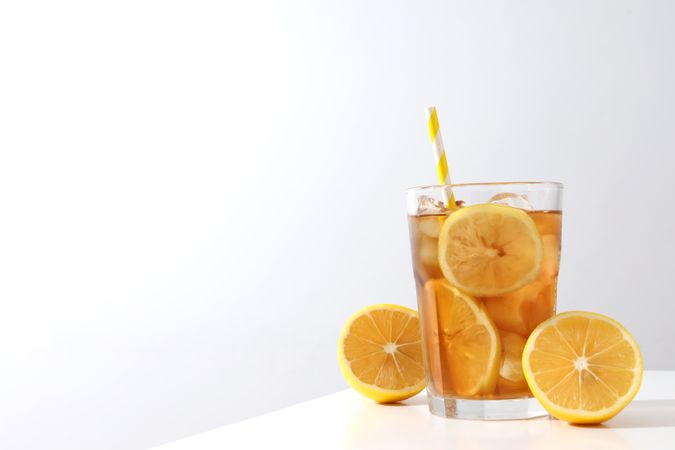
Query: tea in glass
[[486, 270]]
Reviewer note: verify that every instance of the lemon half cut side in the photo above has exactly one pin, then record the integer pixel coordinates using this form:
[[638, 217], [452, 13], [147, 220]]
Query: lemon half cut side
[[380, 353], [583, 367]]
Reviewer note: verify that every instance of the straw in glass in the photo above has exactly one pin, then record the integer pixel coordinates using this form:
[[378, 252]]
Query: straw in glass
[[439, 155]]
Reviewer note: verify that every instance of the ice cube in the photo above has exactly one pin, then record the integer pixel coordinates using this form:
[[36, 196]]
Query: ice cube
[[514, 200], [550, 264], [428, 205], [429, 252], [431, 226]]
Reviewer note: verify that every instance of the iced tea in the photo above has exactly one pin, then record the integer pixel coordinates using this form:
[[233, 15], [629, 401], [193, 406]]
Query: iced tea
[[474, 336]]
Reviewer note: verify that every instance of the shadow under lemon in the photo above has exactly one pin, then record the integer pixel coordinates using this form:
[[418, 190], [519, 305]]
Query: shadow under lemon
[[644, 414]]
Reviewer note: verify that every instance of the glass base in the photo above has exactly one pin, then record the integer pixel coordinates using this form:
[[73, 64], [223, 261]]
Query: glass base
[[510, 409]]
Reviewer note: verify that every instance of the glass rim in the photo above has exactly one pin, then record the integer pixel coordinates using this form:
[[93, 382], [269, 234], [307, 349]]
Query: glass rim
[[553, 184]]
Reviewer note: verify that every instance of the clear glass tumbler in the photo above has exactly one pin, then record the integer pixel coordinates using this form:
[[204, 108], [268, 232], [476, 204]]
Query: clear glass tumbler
[[485, 258]]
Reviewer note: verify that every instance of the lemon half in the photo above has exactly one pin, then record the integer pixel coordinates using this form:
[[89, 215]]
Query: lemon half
[[380, 353], [583, 367]]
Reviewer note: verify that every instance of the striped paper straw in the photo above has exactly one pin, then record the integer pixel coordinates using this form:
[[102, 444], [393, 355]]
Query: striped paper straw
[[439, 155]]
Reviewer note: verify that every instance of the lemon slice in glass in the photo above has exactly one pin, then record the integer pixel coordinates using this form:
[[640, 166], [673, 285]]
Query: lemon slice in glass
[[469, 351], [489, 250]]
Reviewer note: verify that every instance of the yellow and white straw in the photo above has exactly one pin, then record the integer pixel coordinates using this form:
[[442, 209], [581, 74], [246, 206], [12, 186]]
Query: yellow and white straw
[[439, 155]]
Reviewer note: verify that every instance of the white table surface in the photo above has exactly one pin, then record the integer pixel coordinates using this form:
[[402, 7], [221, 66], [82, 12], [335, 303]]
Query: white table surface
[[347, 420]]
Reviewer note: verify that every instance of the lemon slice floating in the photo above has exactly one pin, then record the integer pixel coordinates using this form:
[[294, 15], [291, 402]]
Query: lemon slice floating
[[470, 349], [582, 367], [380, 353], [489, 250]]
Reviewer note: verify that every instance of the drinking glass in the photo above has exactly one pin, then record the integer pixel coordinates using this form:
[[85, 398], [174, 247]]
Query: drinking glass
[[485, 259]]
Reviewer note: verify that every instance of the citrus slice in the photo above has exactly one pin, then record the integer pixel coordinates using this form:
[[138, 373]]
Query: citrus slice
[[489, 250], [380, 353], [522, 310], [583, 367], [467, 352]]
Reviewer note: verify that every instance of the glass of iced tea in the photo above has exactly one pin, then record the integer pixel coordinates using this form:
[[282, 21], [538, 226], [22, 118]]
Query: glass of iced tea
[[485, 258]]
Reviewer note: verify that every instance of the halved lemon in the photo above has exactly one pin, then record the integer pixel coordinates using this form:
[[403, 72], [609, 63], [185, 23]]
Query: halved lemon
[[468, 350], [489, 250], [380, 353], [583, 367]]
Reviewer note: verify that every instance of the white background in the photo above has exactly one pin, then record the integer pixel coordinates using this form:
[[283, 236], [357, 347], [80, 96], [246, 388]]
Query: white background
[[195, 195]]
